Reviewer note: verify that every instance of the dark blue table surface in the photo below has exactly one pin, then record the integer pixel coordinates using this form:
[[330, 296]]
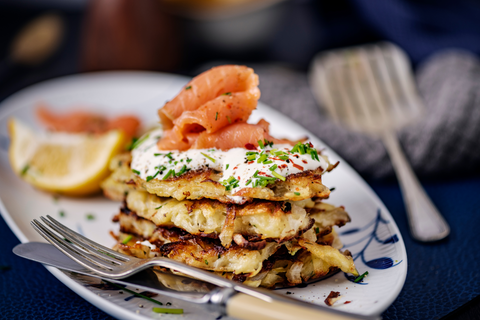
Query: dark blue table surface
[[441, 276]]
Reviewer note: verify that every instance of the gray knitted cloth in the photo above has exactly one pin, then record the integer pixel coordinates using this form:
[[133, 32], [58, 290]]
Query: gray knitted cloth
[[444, 142]]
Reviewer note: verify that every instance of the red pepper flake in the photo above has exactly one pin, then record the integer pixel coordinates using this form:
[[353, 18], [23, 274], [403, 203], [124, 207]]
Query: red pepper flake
[[297, 166], [250, 162], [305, 161], [283, 166], [250, 146], [235, 168], [347, 302], [239, 178], [310, 145]]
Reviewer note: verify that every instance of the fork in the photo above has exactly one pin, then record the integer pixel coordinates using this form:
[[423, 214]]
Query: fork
[[231, 299], [371, 89]]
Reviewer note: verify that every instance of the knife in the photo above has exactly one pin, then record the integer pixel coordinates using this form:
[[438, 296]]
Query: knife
[[215, 298]]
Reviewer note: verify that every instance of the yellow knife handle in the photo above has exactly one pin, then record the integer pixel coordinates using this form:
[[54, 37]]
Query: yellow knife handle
[[246, 307]]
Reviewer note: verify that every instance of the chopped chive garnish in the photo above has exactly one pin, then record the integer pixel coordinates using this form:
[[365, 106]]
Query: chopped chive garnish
[[283, 157], [127, 239], [25, 169], [360, 278], [260, 143], [331, 189], [169, 156], [135, 293], [61, 213], [297, 193], [188, 88], [208, 157], [279, 176], [248, 182], [227, 94], [249, 153], [266, 178], [267, 161], [255, 174], [226, 168], [90, 216], [160, 168], [262, 158], [273, 167], [152, 177], [216, 116], [169, 173], [158, 207], [231, 179], [138, 142], [189, 160], [229, 120], [132, 143], [182, 171], [135, 171], [317, 230], [206, 262], [251, 157], [301, 148], [295, 148], [167, 310]]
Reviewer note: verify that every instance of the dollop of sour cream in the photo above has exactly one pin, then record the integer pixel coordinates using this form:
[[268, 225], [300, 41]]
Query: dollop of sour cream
[[240, 168]]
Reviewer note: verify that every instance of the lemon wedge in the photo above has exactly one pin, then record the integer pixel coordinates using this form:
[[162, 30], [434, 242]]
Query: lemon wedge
[[65, 163]]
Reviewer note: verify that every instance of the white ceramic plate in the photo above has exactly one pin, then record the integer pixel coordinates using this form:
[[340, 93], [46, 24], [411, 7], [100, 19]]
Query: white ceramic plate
[[372, 236]]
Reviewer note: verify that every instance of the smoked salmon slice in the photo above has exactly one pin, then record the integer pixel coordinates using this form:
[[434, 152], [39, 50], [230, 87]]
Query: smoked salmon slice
[[218, 113], [206, 87], [81, 121], [237, 135], [171, 141]]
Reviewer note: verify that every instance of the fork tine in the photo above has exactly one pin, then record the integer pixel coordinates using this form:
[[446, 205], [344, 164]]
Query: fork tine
[[65, 247], [339, 76], [375, 92], [406, 80], [87, 249], [85, 240], [359, 77]]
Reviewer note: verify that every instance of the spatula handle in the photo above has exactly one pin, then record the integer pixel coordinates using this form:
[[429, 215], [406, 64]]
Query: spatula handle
[[426, 222], [246, 307]]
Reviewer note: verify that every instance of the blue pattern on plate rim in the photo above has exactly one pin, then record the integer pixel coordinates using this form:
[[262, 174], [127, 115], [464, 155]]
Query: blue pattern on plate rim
[[378, 263]]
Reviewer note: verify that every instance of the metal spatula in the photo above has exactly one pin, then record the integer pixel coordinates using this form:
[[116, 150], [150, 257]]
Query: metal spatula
[[370, 89]]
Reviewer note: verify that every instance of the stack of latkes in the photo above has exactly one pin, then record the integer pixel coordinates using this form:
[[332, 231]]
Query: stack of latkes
[[229, 198]]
